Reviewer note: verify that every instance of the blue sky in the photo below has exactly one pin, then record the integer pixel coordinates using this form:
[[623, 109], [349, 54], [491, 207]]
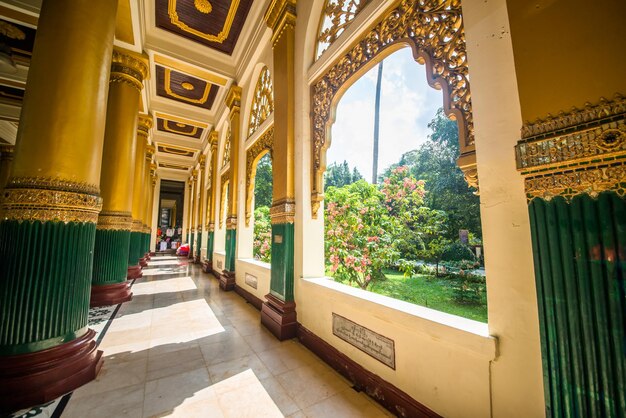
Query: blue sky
[[407, 104]]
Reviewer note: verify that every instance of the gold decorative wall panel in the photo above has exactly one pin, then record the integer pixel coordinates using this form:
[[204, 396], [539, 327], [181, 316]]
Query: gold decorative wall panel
[[224, 197], [579, 152], [261, 146], [262, 101], [226, 153], [434, 30]]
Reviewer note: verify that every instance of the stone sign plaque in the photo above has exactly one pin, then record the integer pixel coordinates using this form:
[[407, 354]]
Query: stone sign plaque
[[219, 264], [251, 280], [366, 340]]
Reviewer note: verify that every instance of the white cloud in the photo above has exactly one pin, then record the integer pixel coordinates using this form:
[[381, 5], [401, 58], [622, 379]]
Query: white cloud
[[408, 103]]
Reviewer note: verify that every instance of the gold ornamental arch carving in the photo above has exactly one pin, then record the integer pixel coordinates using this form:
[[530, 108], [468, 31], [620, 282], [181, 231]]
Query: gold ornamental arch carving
[[224, 196], [434, 31], [336, 17], [261, 146], [262, 101]]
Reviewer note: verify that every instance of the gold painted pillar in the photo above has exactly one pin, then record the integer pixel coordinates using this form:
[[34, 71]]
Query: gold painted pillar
[[202, 173], [147, 201], [189, 207], [211, 199], [136, 252], [233, 101], [192, 211], [49, 208], [278, 313], [6, 161], [109, 285], [153, 181]]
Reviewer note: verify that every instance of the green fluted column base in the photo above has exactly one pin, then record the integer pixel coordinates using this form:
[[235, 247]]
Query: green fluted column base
[[134, 254], [192, 240], [580, 268], [198, 247], [110, 263], [45, 279], [278, 313], [207, 264], [227, 276]]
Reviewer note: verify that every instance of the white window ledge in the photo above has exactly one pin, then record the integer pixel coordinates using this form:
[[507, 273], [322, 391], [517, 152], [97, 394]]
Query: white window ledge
[[256, 262], [223, 252], [447, 328]]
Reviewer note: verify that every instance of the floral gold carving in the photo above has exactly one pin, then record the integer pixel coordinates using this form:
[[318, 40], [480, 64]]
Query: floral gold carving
[[262, 101], [115, 221], [11, 31], [434, 29], [50, 200], [336, 17], [203, 6], [128, 68], [263, 144], [224, 182], [226, 155], [137, 226], [585, 153], [283, 212]]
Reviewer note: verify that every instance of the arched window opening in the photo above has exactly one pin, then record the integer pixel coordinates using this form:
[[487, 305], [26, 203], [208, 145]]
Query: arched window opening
[[262, 238], [411, 231]]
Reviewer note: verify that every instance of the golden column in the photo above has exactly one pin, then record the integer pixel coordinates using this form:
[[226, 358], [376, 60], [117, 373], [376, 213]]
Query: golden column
[[202, 173], [233, 101], [189, 207], [109, 284], [147, 201], [192, 216], [210, 208], [50, 207], [6, 161], [153, 182], [135, 252], [278, 313]]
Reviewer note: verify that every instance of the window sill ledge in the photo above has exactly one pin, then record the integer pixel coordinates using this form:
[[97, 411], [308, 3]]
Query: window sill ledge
[[450, 329]]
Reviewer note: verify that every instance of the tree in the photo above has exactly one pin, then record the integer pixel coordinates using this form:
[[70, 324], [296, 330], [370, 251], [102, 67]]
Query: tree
[[359, 233], [377, 124], [262, 241], [338, 175], [263, 182]]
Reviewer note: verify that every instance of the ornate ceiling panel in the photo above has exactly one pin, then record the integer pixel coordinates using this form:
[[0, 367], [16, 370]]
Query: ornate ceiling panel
[[173, 166], [177, 151], [179, 128], [20, 39], [214, 23], [184, 88]]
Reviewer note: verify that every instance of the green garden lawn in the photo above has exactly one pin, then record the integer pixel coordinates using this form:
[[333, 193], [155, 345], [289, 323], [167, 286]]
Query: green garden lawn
[[428, 291]]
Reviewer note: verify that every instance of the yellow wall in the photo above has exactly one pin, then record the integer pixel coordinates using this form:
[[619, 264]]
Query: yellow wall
[[567, 52]]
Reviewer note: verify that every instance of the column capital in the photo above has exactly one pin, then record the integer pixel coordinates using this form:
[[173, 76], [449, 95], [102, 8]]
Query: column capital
[[150, 150], [202, 160], [233, 97], [280, 15], [213, 139], [144, 124], [129, 67]]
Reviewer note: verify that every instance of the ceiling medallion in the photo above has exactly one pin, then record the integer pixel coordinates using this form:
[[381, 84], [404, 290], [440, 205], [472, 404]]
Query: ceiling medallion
[[187, 86], [203, 6]]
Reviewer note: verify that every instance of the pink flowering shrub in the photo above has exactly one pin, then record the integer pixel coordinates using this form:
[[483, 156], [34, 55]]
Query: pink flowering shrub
[[359, 233], [262, 241]]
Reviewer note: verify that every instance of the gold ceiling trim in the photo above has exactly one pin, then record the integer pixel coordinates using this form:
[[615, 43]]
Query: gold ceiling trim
[[262, 101], [167, 127], [261, 146], [219, 38], [173, 166], [173, 118], [434, 31], [189, 70], [176, 150], [579, 152], [168, 90]]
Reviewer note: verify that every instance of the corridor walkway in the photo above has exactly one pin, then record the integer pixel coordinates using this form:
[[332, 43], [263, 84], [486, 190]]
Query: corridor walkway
[[184, 348]]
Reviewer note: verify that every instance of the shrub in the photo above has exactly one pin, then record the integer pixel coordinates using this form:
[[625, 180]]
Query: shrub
[[467, 289], [262, 241], [457, 252]]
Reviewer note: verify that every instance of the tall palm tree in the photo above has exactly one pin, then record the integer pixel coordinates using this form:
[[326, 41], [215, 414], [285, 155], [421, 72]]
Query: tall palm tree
[[376, 124]]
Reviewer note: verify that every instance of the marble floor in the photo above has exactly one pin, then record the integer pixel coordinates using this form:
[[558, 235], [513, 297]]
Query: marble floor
[[184, 348]]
